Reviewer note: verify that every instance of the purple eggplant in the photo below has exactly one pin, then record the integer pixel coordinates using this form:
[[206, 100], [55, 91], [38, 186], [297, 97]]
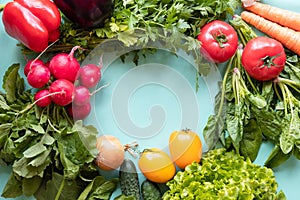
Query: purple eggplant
[[86, 13]]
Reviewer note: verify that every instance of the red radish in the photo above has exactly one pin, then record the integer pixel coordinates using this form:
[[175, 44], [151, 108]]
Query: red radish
[[81, 95], [42, 98], [79, 112], [32, 63], [63, 90], [38, 76], [65, 66], [89, 75]]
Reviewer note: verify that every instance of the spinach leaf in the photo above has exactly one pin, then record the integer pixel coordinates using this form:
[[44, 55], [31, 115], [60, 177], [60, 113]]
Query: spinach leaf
[[70, 190], [251, 141], [269, 122], [13, 187], [10, 82], [99, 188], [31, 185], [276, 157], [290, 132]]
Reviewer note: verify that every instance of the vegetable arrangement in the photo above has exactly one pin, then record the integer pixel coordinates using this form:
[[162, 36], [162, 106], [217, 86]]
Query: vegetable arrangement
[[63, 82], [259, 100], [177, 16], [49, 153]]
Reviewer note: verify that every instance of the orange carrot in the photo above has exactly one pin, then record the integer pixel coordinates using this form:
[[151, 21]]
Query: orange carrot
[[288, 37], [281, 16]]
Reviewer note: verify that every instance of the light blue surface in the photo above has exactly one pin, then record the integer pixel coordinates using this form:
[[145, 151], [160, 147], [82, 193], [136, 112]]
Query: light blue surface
[[157, 93]]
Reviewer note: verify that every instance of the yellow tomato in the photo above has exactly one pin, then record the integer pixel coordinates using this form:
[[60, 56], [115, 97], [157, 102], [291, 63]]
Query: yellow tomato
[[156, 165], [185, 147]]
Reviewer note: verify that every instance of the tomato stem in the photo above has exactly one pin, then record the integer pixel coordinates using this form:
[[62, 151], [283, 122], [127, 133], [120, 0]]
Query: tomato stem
[[221, 38], [269, 61]]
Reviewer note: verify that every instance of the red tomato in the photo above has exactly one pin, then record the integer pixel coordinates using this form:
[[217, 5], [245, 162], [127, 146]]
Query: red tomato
[[263, 58], [219, 41]]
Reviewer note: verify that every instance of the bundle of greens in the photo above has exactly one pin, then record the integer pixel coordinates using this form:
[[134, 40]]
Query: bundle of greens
[[249, 112], [223, 175], [49, 153]]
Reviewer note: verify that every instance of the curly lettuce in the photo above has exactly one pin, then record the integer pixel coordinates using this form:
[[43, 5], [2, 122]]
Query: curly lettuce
[[224, 175]]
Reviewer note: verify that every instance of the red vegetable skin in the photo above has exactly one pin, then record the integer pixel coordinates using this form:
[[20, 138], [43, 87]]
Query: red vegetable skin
[[79, 112], [62, 92], [34, 35], [65, 66], [42, 98], [38, 76], [32, 22], [89, 75], [81, 95], [32, 63], [263, 58], [219, 41], [45, 10]]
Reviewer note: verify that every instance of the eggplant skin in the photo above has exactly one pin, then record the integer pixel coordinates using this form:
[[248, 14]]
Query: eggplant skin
[[86, 13]]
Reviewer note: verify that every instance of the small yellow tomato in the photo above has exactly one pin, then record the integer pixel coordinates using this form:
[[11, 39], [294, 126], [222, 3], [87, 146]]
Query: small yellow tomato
[[185, 147], [156, 165]]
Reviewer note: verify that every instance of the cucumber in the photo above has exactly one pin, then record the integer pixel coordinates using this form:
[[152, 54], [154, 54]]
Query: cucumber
[[150, 191], [129, 180]]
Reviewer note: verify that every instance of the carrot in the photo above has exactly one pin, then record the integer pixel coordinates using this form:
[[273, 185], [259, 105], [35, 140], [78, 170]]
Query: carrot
[[281, 16], [288, 37]]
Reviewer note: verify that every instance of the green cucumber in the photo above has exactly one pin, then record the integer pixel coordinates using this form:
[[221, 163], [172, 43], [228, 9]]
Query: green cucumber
[[150, 191], [129, 180]]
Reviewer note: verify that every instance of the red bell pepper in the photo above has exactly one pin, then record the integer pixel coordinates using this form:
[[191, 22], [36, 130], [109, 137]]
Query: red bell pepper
[[34, 23]]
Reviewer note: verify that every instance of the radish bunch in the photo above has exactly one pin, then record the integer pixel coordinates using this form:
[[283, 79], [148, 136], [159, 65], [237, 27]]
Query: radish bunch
[[63, 82]]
